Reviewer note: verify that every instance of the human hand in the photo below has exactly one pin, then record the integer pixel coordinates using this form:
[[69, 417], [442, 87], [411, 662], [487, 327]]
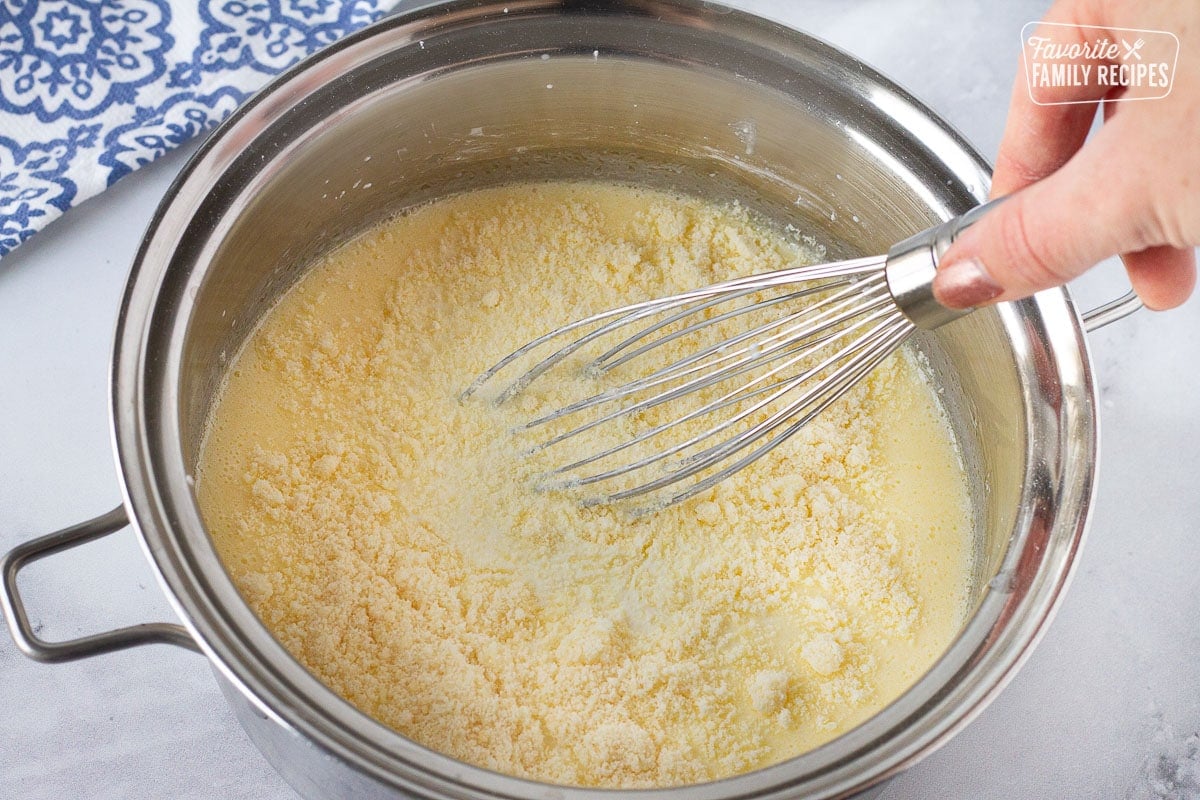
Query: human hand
[[1133, 189]]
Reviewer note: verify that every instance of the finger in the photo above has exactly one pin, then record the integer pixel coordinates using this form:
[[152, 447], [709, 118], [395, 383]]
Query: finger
[[1052, 231], [1039, 137], [1163, 277]]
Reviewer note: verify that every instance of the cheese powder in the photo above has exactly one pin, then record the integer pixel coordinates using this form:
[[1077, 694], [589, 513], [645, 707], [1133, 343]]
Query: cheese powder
[[386, 533]]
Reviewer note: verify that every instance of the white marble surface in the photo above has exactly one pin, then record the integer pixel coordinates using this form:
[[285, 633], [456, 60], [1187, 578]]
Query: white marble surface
[[1107, 707]]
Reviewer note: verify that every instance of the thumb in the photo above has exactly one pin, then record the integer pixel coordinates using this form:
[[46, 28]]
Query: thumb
[[1049, 232]]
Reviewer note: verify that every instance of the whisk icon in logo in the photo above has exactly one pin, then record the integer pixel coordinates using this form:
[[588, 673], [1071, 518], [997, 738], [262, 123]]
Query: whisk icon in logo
[[1067, 63]]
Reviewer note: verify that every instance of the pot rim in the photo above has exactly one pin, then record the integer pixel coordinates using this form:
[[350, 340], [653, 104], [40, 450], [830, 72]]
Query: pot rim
[[155, 483]]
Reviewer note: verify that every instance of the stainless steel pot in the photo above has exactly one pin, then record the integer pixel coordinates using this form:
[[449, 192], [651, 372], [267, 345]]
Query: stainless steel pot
[[686, 95]]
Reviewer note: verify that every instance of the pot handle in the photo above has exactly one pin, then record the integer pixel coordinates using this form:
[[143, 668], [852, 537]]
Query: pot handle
[[1120, 308], [84, 647]]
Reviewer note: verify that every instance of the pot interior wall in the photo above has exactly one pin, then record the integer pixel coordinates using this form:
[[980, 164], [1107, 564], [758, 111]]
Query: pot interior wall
[[796, 146]]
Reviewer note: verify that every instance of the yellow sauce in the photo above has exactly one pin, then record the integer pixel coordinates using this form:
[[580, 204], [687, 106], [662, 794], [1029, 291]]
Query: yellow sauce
[[385, 533]]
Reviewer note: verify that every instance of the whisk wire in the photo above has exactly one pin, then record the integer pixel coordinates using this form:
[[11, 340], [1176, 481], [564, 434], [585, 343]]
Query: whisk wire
[[798, 352], [738, 395], [744, 359], [792, 365], [824, 316], [605, 362], [863, 360], [635, 311], [881, 351]]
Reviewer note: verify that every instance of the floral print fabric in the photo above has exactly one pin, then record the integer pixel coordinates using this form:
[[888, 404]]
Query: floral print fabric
[[90, 90]]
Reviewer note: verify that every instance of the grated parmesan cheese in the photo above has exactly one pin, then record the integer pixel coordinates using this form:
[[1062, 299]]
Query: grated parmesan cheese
[[383, 531]]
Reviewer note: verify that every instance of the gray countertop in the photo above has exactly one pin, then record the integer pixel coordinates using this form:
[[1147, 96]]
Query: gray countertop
[[1108, 706]]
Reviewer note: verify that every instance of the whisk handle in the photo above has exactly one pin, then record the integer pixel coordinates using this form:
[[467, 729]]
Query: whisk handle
[[912, 263]]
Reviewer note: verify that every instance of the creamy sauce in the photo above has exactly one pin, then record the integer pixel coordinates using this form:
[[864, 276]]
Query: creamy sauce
[[386, 534]]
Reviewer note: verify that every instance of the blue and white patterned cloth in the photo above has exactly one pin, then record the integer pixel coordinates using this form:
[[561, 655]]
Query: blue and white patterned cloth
[[90, 90]]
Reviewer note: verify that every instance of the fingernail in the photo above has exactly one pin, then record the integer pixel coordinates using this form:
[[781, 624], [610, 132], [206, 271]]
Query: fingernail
[[965, 284]]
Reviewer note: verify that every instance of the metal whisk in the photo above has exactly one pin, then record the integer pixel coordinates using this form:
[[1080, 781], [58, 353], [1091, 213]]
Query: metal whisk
[[765, 354]]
